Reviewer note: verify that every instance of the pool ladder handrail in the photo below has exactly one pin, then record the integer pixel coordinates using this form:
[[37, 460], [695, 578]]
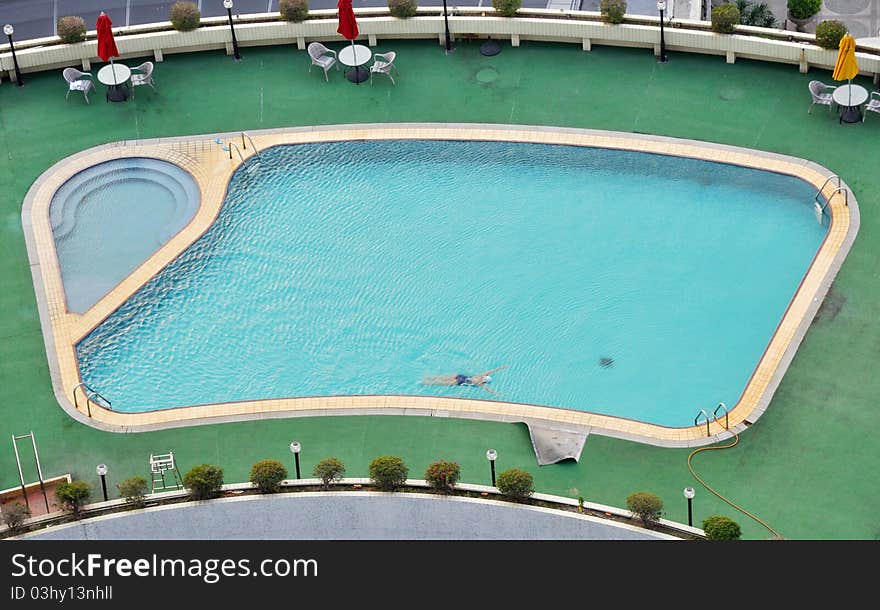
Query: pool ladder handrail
[[840, 189], [702, 412], [89, 399], [244, 135]]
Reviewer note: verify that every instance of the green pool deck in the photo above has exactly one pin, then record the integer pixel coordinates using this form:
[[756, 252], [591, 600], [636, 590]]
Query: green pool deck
[[807, 467]]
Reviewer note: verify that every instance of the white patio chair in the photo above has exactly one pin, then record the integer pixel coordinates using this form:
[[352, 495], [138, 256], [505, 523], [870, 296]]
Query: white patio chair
[[383, 64], [78, 80], [821, 94], [142, 75], [322, 57], [873, 104]]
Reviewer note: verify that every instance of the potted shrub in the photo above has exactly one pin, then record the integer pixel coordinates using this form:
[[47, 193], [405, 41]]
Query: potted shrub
[[71, 29], [402, 8], [388, 472], [612, 10], [293, 10], [134, 490], [515, 483], [646, 506], [267, 475], [443, 475], [203, 481], [73, 495], [755, 13], [725, 18], [719, 527], [185, 16], [829, 33], [506, 8], [801, 12], [329, 470]]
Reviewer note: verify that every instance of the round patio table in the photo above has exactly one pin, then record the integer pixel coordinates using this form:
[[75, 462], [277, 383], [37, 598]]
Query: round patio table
[[850, 98], [355, 56], [115, 76]]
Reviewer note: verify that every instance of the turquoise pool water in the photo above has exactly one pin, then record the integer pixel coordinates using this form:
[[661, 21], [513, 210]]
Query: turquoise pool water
[[622, 283], [109, 218]]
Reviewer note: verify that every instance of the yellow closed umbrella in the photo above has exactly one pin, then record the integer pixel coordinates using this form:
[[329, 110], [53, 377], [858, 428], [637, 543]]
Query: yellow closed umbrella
[[846, 67]]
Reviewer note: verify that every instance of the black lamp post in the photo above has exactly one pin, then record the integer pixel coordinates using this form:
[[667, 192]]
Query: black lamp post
[[492, 455], [9, 31], [446, 25], [689, 493], [661, 6], [227, 4], [295, 448], [102, 472]]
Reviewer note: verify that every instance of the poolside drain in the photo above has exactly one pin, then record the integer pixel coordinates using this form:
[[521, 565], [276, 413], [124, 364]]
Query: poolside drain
[[486, 76], [606, 362]]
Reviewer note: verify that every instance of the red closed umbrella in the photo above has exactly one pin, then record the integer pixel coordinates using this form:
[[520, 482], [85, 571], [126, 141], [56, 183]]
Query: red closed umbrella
[[106, 43], [348, 26]]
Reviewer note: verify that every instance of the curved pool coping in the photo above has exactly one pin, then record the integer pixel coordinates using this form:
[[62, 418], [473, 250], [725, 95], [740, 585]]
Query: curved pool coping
[[212, 168]]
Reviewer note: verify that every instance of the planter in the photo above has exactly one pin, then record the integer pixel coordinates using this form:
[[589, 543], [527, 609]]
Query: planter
[[801, 24]]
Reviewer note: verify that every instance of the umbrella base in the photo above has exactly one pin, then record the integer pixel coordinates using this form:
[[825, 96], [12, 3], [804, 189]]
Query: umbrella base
[[117, 93], [490, 48], [851, 114], [358, 75]]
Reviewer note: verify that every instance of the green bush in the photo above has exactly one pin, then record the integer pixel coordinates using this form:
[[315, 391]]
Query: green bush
[[134, 490], [329, 470], [829, 33], [516, 483], [185, 16], [293, 10], [612, 10], [804, 9], [73, 495], [506, 8], [755, 13], [443, 475], [388, 472], [71, 29], [402, 8], [14, 515], [267, 475], [204, 481], [719, 527], [646, 506], [725, 17]]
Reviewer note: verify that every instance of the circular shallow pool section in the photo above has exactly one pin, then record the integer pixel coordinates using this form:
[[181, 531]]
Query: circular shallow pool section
[[109, 218], [623, 283]]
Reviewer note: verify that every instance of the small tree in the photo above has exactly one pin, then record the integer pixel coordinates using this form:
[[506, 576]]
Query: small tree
[[516, 483], [185, 16], [204, 481], [267, 475], [507, 8], [719, 527], [293, 10], [612, 10], [443, 475], [804, 9], [134, 490], [71, 29], [725, 18], [755, 13], [14, 515], [73, 495], [402, 8], [388, 472], [646, 506], [829, 33], [329, 470]]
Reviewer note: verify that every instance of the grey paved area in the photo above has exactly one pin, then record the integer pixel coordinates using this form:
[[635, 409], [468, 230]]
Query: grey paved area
[[346, 516]]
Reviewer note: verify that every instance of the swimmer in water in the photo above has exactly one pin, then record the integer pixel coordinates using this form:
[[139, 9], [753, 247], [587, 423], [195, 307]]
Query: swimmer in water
[[481, 380]]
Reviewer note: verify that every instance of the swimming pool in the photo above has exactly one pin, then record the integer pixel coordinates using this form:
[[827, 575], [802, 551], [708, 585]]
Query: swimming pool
[[631, 284], [110, 217]]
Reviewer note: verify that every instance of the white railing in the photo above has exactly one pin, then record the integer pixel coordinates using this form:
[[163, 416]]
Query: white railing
[[579, 27]]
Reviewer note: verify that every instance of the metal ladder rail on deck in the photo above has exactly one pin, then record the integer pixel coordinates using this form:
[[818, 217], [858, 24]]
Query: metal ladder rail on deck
[[89, 399], [820, 207], [721, 405], [697, 420], [244, 135]]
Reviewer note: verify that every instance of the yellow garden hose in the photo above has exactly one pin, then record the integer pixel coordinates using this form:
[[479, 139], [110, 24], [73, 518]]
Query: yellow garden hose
[[704, 484]]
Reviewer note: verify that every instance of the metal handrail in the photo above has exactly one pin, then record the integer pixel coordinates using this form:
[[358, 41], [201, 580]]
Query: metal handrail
[[89, 399], [697, 418], [721, 405], [244, 135], [839, 189]]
